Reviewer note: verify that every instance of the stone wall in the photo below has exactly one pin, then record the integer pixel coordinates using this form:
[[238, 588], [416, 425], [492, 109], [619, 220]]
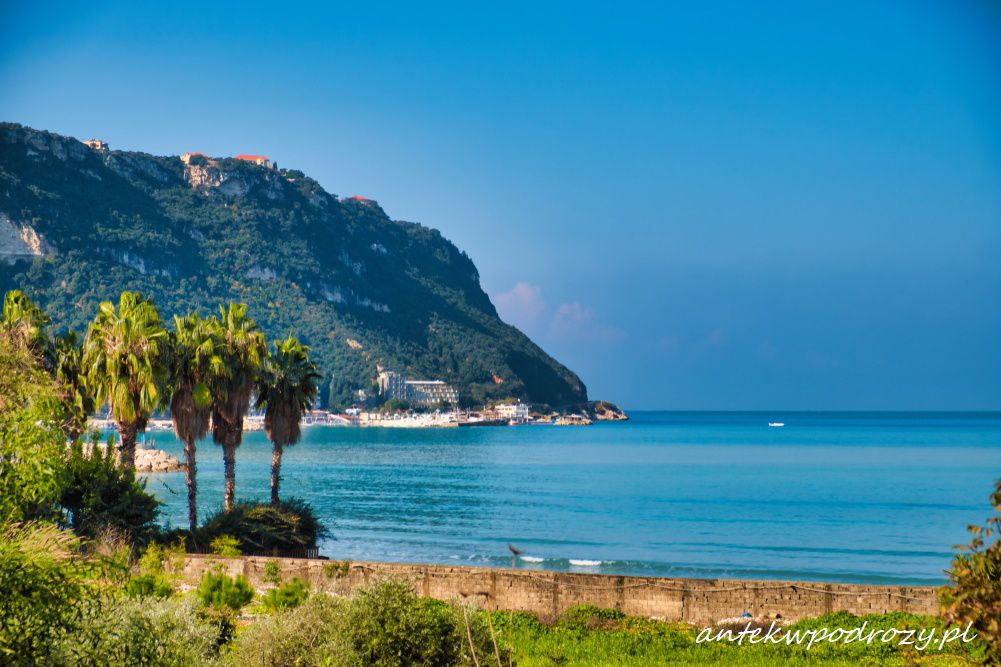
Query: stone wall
[[698, 601]]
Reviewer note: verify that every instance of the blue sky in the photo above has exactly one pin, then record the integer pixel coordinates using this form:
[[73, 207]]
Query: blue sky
[[698, 205]]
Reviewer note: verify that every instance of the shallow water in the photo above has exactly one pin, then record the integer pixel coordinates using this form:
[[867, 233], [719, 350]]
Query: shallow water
[[857, 497]]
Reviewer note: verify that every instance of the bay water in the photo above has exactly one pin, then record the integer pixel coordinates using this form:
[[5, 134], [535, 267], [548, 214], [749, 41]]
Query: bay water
[[852, 497]]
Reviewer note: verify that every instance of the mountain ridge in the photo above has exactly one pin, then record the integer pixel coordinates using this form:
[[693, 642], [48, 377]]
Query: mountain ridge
[[79, 223]]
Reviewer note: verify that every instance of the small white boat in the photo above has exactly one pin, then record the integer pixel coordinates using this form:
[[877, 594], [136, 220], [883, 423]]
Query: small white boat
[[776, 423]]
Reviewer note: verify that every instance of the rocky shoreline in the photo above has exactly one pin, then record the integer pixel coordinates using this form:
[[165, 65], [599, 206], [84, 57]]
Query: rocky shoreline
[[150, 460], [605, 411], [154, 461]]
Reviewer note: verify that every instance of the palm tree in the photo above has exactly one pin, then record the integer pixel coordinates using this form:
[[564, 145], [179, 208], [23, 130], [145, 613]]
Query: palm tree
[[62, 356], [241, 347], [27, 322], [125, 354], [286, 389], [193, 360], [70, 375]]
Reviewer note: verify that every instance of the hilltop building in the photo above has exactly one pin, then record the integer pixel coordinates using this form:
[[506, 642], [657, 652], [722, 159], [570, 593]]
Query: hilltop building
[[186, 157], [97, 145], [422, 392], [260, 160]]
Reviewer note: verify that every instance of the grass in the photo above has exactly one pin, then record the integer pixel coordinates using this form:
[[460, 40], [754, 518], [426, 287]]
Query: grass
[[591, 637]]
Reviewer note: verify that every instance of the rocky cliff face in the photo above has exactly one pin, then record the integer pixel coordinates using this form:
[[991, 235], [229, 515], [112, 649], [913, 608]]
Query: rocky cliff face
[[19, 242], [80, 224]]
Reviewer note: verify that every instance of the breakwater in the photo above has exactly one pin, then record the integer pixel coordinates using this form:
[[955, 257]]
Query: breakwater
[[547, 594]]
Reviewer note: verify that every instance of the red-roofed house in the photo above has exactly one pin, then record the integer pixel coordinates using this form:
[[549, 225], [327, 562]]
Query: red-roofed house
[[261, 160]]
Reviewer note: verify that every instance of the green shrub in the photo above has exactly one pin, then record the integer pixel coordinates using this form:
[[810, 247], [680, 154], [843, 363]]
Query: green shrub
[[263, 528], [310, 634], [149, 585], [590, 617], [383, 626], [101, 495], [151, 577], [225, 545], [974, 591], [220, 592], [337, 569], [45, 592], [163, 632], [388, 625], [272, 572], [287, 596], [158, 558]]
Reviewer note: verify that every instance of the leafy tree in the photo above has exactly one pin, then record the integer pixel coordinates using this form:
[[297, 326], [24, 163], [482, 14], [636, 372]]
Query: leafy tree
[[125, 354], [974, 591], [285, 390], [32, 446], [193, 361], [396, 405], [241, 347]]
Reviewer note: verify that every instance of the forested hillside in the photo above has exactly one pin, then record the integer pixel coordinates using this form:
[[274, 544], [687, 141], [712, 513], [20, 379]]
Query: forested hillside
[[79, 224]]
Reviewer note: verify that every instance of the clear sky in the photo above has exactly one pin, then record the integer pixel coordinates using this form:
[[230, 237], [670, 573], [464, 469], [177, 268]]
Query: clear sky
[[719, 205]]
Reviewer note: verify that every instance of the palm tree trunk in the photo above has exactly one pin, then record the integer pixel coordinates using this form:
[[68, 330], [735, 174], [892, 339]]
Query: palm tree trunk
[[229, 463], [276, 472], [127, 445], [189, 459]]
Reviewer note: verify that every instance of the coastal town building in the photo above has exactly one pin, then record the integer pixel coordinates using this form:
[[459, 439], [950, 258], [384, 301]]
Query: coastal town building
[[430, 392], [392, 385], [423, 392], [518, 412]]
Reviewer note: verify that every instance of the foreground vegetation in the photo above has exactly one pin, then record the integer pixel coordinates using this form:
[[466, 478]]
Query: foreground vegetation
[[97, 610], [593, 637]]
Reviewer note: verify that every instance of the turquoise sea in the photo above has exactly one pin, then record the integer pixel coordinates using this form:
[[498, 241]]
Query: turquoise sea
[[854, 497]]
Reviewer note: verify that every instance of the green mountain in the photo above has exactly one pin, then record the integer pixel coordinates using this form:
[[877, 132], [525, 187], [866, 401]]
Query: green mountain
[[80, 223]]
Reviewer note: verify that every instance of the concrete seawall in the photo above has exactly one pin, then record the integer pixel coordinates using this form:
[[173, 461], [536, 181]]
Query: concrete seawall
[[697, 601]]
